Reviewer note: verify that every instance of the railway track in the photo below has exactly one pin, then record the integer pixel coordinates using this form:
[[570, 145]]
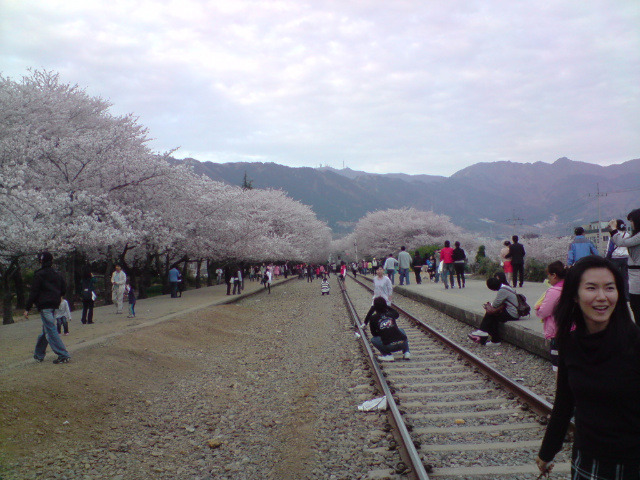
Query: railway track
[[455, 416]]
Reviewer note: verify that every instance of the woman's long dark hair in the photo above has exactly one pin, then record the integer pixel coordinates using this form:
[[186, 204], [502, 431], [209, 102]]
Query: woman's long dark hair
[[635, 216], [568, 313]]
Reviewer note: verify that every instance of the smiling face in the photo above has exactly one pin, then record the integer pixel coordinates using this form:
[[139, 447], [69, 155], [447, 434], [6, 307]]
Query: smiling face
[[597, 298], [380, 272]]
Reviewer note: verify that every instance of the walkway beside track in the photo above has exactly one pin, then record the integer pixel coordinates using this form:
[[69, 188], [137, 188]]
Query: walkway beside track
[[466, 304], [17, 341]]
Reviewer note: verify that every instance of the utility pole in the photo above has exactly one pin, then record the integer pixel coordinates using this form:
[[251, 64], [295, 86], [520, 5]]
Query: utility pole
[[598, 195], [515, 220]]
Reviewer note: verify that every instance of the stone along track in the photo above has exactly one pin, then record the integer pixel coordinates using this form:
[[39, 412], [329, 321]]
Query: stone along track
[[266, 388], [466, 419]]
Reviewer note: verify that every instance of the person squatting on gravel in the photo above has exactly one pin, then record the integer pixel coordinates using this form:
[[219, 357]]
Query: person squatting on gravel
[[47, 288], [325, 288], [502, 309], [633, 246], [598, 376], [387, 337]]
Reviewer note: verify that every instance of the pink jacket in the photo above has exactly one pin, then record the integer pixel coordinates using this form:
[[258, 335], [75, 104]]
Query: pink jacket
[[545, 310]]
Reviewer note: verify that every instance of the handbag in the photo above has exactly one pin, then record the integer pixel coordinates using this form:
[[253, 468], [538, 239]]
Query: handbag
[[491, 310]]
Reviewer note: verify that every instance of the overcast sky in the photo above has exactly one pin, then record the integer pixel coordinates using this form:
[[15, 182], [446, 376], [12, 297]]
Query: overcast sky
[[415, 86]]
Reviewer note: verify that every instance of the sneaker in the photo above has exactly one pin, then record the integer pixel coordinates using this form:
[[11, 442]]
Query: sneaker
[[61, 360], [386, 358], [67, 333], [479, 333], [493, 344], [407, 356], [38, 359]]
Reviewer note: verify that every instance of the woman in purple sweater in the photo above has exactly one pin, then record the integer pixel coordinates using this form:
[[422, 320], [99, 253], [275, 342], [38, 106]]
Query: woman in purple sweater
[[598, 376]]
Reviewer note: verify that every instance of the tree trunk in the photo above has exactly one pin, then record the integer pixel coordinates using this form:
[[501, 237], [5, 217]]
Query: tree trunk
[[198, 269], [164, 274], [7, 310], [209, 271], [70, 278], [145, 277], [185, 270], [106, 288], [18, 285]]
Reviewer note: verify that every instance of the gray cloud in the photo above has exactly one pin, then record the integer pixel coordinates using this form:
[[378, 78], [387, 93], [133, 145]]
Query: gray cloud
[[412, 86]]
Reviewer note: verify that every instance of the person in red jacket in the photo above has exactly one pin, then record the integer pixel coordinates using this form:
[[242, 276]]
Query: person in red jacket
[[446, 256]]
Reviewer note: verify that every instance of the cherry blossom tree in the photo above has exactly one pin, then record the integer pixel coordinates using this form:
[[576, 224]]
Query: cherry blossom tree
[[382, 232]]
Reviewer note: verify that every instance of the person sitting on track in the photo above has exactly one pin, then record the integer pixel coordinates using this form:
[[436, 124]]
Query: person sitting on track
[[502, 309], [387, 337]]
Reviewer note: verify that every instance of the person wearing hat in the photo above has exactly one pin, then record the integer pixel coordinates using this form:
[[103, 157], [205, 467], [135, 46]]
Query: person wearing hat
[[47, 290]]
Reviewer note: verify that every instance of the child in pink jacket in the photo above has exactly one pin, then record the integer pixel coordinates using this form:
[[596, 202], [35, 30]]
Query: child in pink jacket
[[544, 308]]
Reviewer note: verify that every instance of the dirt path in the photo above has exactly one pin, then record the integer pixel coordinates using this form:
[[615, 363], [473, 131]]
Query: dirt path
[[266, 389]]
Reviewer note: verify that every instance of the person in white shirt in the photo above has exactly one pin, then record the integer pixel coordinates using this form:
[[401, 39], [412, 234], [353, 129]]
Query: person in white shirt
[[382, 286], [390, 265], [118, 281]]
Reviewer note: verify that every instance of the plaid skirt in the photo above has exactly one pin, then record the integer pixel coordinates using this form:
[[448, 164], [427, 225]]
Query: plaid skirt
[[583, 468]]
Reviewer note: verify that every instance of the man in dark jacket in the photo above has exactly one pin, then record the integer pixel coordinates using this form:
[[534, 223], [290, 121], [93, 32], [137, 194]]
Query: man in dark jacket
[[47, 290], [516, 255]]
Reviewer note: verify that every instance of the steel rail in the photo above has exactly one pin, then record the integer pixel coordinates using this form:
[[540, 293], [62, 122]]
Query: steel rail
[[408, 450], [535, 401]]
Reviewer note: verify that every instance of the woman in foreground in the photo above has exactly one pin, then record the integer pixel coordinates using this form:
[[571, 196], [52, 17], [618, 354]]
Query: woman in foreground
[[598, 377]]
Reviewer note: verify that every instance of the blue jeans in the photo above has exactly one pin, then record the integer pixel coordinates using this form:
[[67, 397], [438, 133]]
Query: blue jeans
[[62, 322], [49, 336], [391, 273], [174, 289], [404, 275], [392, 347], [447, 271]]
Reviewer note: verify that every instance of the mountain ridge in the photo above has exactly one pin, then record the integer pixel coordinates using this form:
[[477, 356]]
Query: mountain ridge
[[488, 197]]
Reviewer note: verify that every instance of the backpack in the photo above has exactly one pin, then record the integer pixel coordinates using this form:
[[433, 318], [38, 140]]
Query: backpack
[[523, 307]]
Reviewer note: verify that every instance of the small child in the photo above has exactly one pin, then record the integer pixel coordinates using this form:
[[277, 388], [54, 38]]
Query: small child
[[324, 286], [132, 301], [63, 316]]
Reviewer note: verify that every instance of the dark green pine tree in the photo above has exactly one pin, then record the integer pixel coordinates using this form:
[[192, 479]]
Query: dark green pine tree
[[246, 183]]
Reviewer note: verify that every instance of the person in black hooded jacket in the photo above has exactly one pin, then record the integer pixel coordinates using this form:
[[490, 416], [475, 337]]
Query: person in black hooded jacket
[[386, 335], [47, 289]]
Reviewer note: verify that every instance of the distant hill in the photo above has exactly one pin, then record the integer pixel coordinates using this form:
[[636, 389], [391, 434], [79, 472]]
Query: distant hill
[[485, 197]]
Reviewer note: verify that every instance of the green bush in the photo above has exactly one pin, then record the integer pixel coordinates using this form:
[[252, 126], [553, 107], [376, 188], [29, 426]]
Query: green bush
[[486, 267], [426, 251], [535, 271], [154, 290]]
